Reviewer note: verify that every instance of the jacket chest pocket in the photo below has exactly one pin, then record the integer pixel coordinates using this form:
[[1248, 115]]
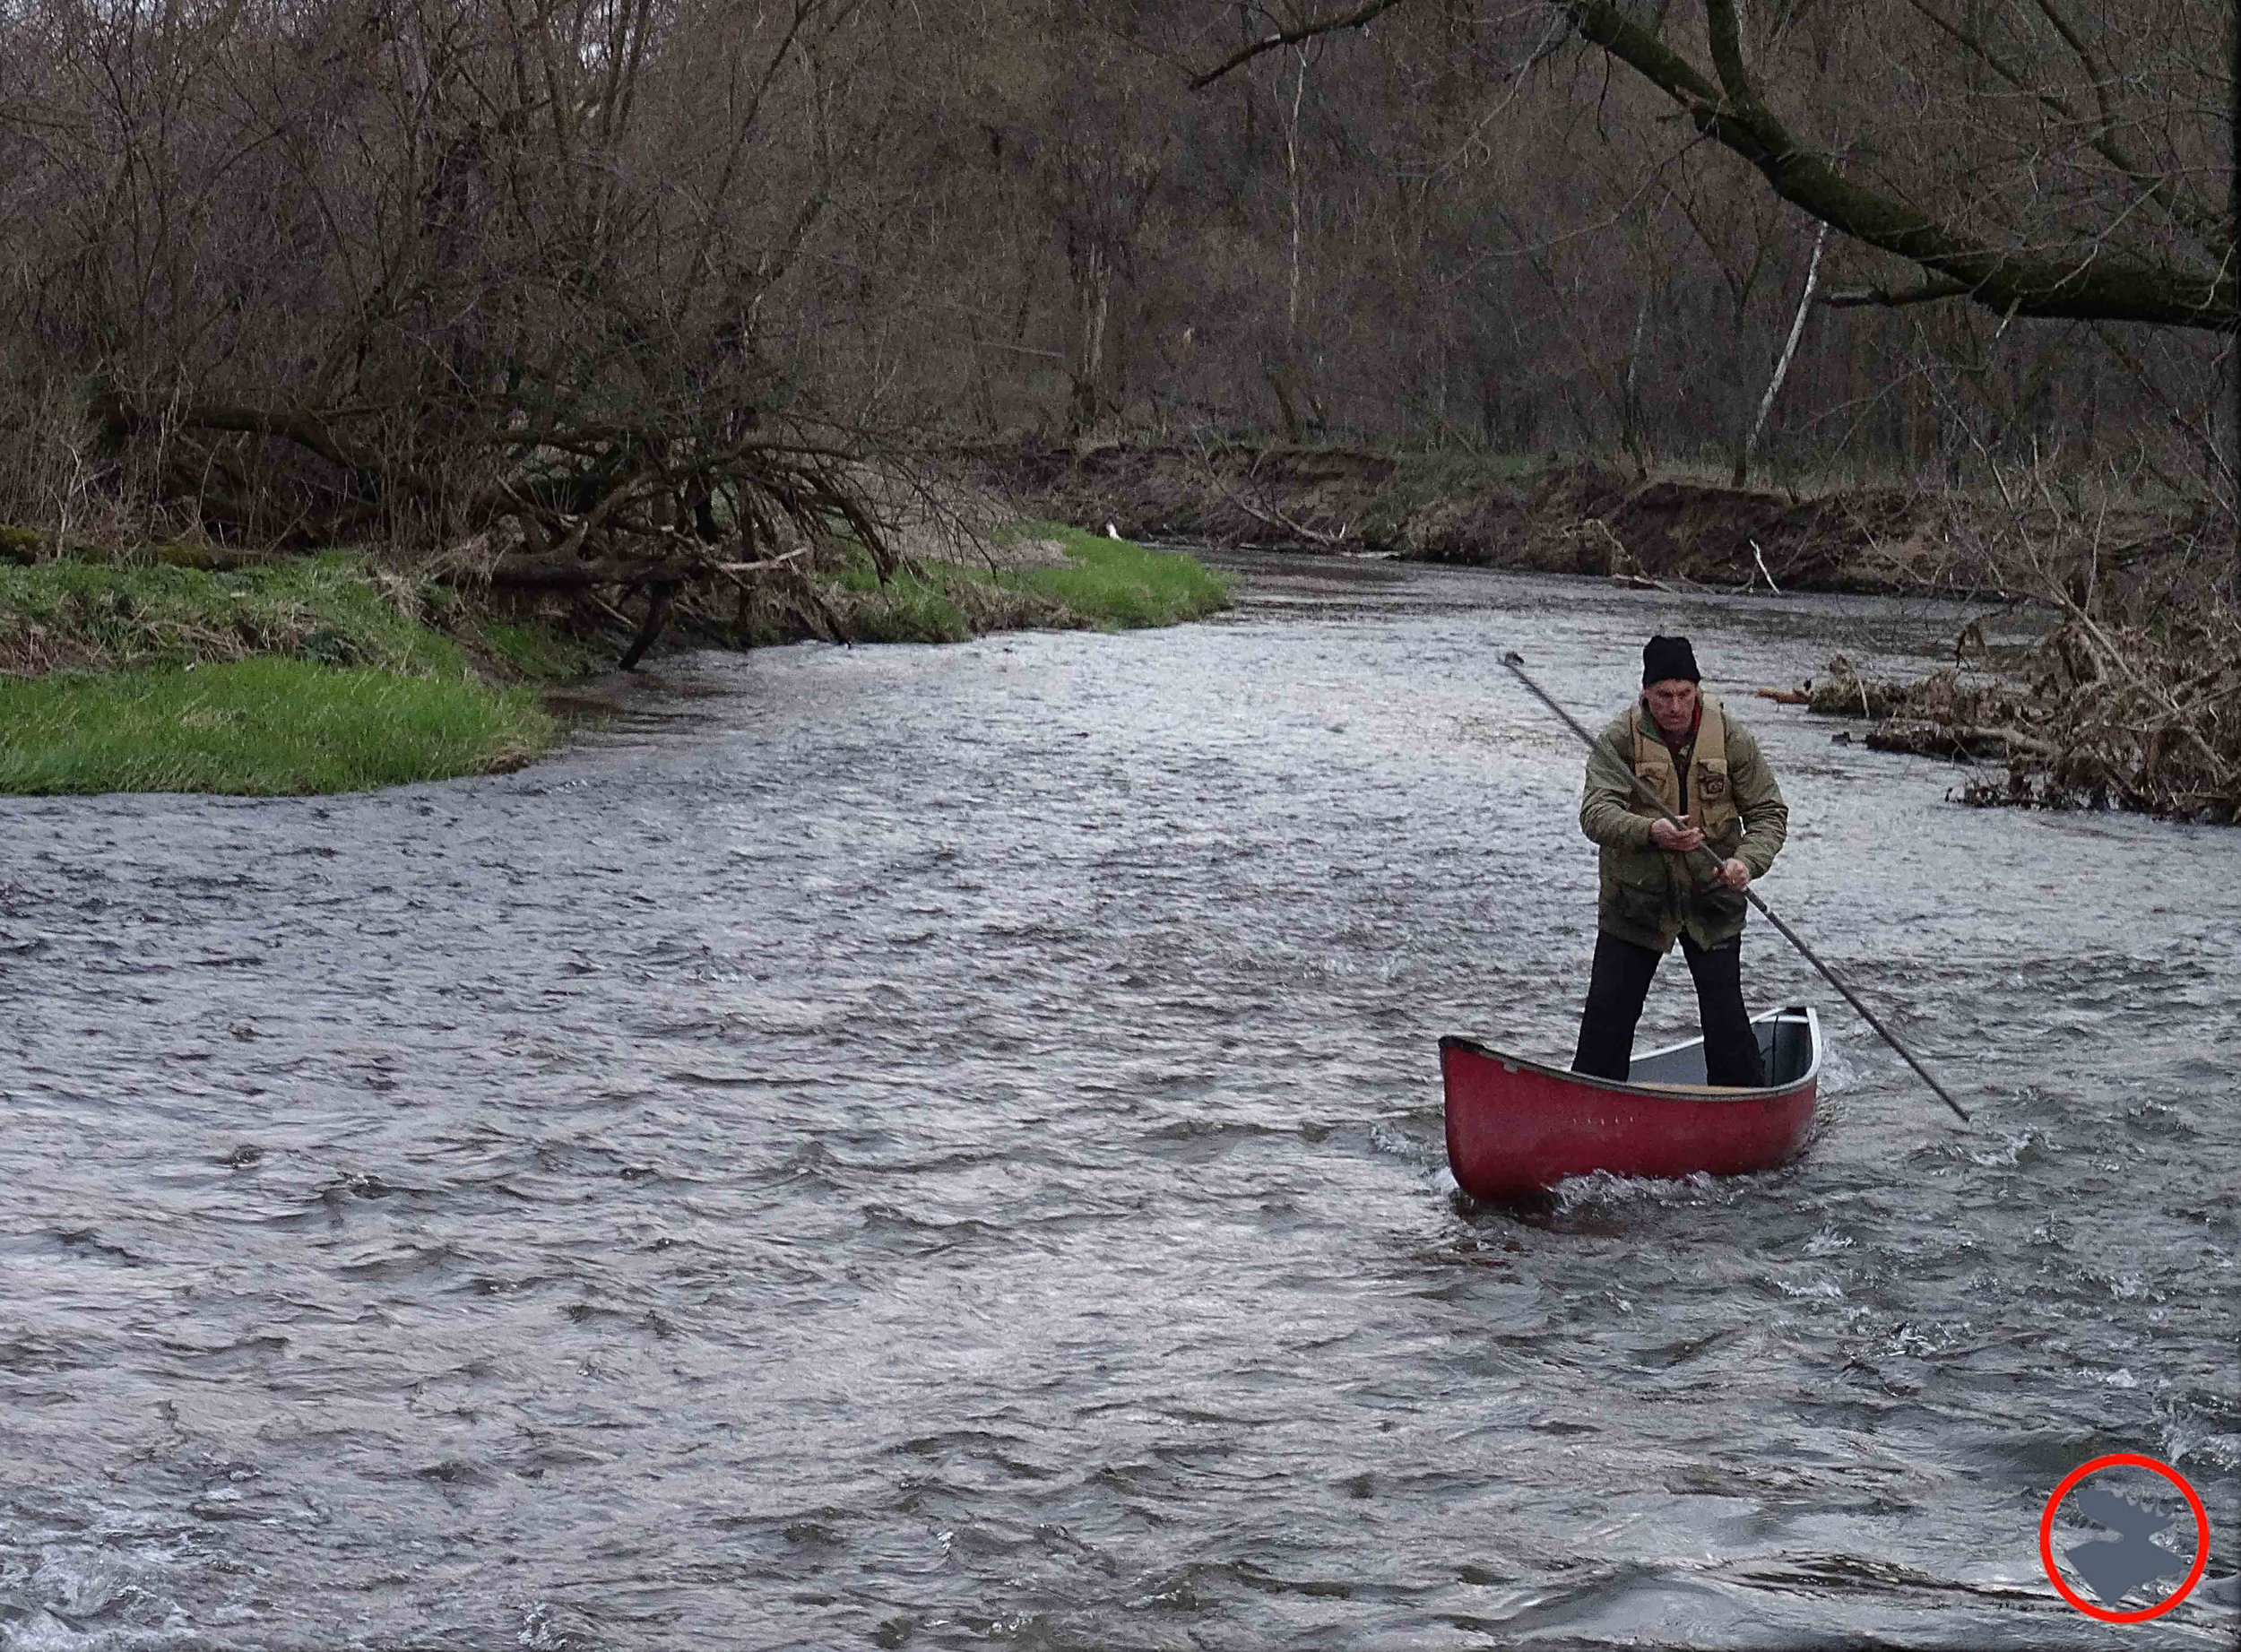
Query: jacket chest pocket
[[1714, 804]]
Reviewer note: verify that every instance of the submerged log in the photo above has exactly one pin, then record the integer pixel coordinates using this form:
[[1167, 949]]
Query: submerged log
[[1955, 742]]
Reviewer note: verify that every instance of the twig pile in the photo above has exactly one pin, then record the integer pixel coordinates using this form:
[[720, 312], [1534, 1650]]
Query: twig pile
[[2098, 715], [2125, 717], [2133, 700]]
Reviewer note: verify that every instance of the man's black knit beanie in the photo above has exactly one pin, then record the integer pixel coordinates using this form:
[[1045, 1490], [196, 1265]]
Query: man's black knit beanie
[[1667, 657]]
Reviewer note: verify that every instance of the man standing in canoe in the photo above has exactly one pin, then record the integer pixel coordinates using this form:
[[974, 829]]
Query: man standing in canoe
[[1656, 886]]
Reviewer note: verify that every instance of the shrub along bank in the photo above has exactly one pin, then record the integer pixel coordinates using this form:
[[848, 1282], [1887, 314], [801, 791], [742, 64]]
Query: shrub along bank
[[337, 674]]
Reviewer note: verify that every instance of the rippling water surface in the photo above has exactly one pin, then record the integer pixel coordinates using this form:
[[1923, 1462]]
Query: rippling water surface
[[939, 1146]]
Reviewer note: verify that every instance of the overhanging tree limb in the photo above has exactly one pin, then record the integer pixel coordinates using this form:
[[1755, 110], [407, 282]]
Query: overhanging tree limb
[[307, 430], [2094, 285], [1360, 18]]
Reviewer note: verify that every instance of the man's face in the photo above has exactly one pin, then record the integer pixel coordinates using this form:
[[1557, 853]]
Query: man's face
[[1673, 702]]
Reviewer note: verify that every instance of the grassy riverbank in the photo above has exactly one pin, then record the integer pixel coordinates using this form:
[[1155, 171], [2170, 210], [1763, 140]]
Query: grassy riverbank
[[336, 674], [1124, 585], [310, 676], [263, 727], [1028, 574]]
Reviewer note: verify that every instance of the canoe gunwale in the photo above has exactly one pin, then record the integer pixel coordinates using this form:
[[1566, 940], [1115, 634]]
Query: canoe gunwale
[[1713, 1094]]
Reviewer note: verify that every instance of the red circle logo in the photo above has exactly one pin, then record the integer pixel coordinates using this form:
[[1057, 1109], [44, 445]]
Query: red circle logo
[[2131, 1536]]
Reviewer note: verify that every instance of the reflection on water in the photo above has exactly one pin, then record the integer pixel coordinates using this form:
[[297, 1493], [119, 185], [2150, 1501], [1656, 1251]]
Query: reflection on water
[[933, 1147]]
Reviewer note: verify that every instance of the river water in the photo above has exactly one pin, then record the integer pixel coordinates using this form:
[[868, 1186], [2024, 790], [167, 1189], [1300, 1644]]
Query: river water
[[941, 1147]]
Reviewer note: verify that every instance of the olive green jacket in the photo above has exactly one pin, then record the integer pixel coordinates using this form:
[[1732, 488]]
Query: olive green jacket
[[1649, 896]]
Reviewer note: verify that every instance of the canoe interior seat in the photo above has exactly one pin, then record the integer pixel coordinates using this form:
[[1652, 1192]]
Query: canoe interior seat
[[1785, 1042]]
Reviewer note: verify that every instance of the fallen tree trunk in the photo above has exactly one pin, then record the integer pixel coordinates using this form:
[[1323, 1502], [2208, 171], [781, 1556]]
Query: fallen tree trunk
[[662, 576], [543, 574], [1959, 742]]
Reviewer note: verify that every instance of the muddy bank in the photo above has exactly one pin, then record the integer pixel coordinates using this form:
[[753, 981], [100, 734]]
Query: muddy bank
[[1541, 517]]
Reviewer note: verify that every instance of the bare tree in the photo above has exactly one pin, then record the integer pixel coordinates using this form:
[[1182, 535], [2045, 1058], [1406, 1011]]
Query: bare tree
[[1750, 442], [529, 276], [2003, 152]]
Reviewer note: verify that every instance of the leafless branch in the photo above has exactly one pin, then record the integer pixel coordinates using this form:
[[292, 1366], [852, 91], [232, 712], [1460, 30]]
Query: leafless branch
[[2096, 286], [1359, 18]]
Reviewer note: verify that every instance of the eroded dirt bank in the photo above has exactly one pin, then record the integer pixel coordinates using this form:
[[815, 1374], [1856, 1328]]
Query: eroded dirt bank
[[1549, 517]]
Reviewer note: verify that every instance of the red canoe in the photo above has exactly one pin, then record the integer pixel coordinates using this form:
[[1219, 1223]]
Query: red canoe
[[1515, 1126]]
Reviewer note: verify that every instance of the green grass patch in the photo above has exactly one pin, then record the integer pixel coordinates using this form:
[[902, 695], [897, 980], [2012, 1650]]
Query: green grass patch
[[908, 609], [538, 653], [96, 616], [329, 674], [1104, 585], [259, 727], [935, 604], [1119, 585], [307, 676]]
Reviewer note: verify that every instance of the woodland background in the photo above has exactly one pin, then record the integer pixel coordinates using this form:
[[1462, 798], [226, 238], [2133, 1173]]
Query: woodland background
[[578, 276]]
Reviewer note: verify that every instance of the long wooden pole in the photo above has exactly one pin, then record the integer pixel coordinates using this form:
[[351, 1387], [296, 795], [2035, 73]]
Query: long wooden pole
[[1516, 663]]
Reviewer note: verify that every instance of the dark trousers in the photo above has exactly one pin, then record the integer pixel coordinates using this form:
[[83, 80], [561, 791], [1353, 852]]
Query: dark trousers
[[1620, 983]]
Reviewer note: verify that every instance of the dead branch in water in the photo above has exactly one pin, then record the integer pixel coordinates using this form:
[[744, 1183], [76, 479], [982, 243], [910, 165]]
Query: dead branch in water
[[2132, 700], [2103, 716]]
